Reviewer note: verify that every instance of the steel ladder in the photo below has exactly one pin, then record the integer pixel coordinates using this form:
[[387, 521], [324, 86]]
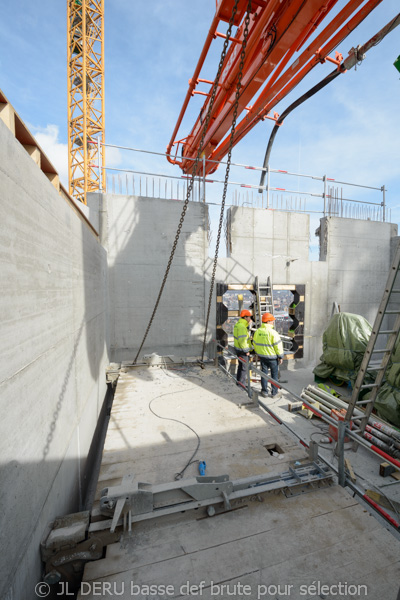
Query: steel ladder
[[263, 301], [389, 310]]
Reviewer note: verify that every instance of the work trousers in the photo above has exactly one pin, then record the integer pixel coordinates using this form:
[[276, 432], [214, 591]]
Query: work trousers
[[268, 363], [241, 371]]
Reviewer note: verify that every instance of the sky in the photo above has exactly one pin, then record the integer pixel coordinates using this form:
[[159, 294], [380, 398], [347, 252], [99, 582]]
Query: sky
[[349, 131]]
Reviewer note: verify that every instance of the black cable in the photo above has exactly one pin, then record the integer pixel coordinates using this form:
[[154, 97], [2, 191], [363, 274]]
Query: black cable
[[283, 116], [327, 445], [190, 461], [348, 63]]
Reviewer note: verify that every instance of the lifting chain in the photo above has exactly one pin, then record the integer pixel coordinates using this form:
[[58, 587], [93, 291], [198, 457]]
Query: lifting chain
[[228, 166], [194, 172]]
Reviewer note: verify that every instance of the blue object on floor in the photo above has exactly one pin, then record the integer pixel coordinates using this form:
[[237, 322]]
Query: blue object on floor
[[202, 467]]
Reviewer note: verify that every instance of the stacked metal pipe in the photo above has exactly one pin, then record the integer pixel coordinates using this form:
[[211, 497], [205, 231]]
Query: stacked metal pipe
[[376, 431]]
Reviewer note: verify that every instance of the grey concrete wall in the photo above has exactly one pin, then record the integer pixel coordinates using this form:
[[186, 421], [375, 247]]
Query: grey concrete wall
[[53, 356], [138, 233], [354, 263], [271, 243], [358, 255]]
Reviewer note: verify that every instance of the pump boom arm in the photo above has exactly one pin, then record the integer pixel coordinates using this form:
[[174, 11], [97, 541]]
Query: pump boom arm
[[278, 33]]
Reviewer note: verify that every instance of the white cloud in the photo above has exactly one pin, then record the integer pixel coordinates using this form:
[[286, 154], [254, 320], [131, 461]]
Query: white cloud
[[56, 151], [113, 157]]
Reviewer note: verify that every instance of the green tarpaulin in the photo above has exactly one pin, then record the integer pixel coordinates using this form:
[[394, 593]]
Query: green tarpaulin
[[343, 343], [387, 402]]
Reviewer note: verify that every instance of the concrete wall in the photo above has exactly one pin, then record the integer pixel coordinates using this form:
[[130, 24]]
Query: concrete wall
[[352, 271], [276, 244], [53, 356], [138, 234], [358, 255]]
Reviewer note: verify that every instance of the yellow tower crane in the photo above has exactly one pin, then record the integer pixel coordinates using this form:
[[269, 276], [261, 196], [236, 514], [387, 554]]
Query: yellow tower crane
[[86, 158]]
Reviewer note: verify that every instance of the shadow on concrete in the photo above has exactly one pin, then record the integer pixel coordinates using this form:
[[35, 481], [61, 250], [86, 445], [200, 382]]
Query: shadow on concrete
[[295, 526], [140, 239], [58, 395], [277, 536], [20, 477], [61, 397]]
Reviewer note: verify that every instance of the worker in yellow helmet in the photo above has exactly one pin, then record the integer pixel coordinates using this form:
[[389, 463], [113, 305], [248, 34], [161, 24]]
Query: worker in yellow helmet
[[242, 343], [269, 348]]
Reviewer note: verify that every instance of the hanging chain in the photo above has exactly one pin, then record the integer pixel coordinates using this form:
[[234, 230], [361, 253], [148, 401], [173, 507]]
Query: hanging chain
[[194, 172], [228, 166]]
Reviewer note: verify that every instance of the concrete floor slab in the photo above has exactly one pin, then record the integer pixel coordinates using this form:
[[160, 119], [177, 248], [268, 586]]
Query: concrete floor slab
[[312, 545]]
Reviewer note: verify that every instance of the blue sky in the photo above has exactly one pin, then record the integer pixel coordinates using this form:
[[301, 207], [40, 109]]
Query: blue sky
[[349, 131]]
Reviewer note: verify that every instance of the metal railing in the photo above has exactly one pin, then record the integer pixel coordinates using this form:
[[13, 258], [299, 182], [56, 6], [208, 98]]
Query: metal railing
[[342, 427], [329, 199], [309, 404], [228, 352]]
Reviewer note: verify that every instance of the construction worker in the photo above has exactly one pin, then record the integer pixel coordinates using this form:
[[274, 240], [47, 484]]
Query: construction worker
[[242, 344], [269, 348]]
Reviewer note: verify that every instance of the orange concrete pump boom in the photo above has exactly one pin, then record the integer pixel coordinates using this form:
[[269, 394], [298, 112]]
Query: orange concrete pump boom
[[278, 32]]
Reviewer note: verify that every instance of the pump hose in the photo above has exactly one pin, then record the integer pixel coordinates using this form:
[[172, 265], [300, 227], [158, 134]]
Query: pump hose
[[283, 116]]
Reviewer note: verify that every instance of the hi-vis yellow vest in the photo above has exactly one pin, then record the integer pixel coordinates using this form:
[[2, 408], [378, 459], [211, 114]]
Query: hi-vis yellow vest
[[267, 342], [242, 336]]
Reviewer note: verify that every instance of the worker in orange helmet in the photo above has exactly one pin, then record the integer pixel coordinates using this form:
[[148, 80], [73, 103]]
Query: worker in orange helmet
[[242, 343], [269, 349]]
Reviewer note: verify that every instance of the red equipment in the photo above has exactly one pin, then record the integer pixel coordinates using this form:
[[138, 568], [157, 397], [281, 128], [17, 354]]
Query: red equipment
[[278, 30]]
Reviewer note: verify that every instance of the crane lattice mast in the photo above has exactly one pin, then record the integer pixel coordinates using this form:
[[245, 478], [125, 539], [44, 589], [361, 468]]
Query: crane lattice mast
[[86, 159]]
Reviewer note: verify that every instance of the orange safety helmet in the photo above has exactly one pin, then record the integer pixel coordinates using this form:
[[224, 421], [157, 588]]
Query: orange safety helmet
[[267, 317], [245, 313]]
